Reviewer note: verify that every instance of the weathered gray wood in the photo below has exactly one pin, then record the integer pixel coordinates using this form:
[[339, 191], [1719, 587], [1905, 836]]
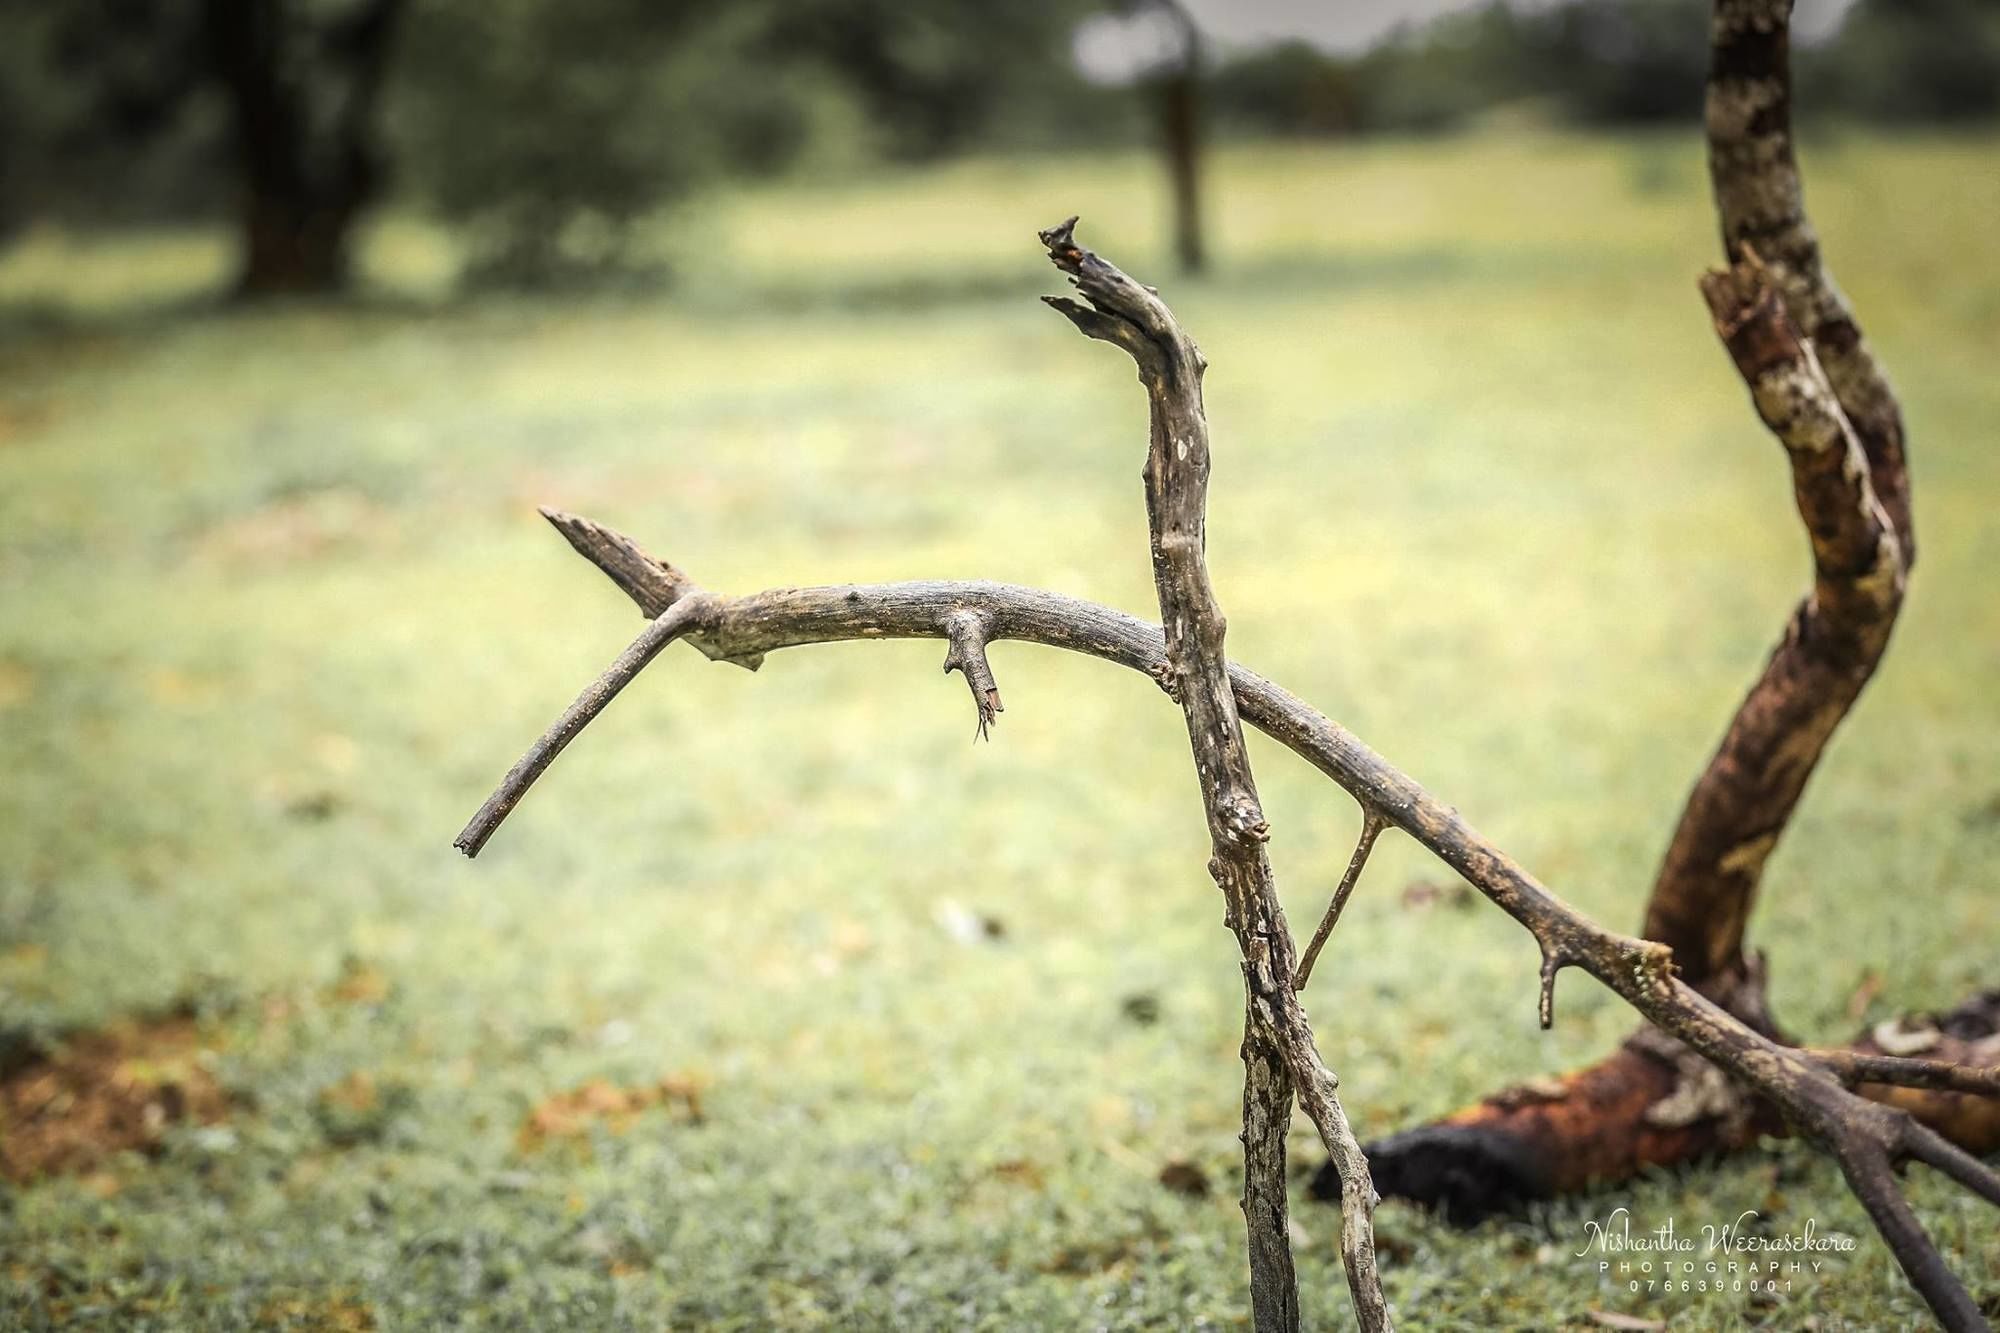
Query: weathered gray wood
[[1638, 971], [1278, 1042]]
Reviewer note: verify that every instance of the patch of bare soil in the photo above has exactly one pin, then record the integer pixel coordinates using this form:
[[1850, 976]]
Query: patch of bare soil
[[570, 1115], [101, 1093]]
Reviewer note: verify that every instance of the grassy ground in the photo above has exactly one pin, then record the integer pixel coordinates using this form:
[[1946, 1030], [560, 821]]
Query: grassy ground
[[278, 612]]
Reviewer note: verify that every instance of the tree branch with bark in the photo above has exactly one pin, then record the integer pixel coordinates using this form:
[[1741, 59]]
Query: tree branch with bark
[[1818, 388], [1279, 1055], [1709, 1072], [747, 627]]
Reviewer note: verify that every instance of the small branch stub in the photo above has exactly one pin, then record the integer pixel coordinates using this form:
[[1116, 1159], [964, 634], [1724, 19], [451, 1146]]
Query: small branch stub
[[1552, 963], [966, 632]]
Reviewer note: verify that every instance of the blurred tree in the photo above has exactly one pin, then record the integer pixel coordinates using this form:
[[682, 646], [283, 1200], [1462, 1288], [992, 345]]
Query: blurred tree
[[556, 133], [1913, 60], [936, 75], [550, 131], [1180, 124], [1623, 62], [277, 96], [101, 111], [1287, 88], [303, 79]]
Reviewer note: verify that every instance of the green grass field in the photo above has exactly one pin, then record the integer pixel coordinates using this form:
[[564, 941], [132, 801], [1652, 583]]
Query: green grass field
[[276, 611]]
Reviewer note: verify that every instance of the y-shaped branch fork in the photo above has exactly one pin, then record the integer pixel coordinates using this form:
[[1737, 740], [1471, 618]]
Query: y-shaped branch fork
[[1868, 1140]]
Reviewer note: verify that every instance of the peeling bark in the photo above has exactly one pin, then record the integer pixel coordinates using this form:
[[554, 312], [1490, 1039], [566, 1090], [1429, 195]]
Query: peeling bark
[[1708, 882], [303, 88], [1819, 390]]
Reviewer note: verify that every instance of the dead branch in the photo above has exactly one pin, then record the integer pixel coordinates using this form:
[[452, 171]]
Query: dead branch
[[1277, 1037], [1639, 971], [672, 623], [1371, 828], [1819, 390], [1868, 1140]]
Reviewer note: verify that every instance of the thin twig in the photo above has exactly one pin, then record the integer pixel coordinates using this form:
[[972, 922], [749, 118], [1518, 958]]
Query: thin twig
[[1372, 825], [671, 624], [1901, 1071]]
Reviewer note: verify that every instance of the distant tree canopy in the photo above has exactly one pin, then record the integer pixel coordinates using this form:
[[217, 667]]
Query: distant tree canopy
[[547, 132], [546, 129], [551, 130], [1915, 60], [1612, 62]]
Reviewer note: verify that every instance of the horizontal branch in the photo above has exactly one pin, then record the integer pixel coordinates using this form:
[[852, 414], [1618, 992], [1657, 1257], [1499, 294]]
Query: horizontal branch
[[1639, 970], [1853, 1067], [1861, 1135]]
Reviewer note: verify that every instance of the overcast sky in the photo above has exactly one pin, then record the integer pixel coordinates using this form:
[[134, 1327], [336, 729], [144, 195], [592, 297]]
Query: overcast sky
[[1115, 49], [1349, 25]]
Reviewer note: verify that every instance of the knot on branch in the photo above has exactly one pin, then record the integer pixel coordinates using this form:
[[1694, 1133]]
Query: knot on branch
[[1243, 819], [966, 632], [1167, 676], [1750, 316]]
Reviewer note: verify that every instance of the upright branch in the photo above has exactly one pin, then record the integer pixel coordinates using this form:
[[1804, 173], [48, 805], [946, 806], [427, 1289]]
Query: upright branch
[[1278, 1050], [1819, 389], [1760, 203]]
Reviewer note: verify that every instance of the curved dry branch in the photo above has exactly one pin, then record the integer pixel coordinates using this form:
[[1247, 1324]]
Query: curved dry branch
[[1760, 204], [1819, 390], [1277, 1036], [1639, 971]]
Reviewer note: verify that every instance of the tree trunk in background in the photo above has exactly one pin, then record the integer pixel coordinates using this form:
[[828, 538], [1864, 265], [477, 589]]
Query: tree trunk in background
[[303, 94], [1180, 121]]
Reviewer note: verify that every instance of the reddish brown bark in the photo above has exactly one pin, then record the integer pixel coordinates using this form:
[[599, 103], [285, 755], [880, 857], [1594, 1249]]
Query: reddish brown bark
[[1798, 348], [1647, 1106]]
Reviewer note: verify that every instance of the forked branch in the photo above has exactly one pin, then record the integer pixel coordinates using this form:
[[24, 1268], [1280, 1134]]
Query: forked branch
[[1867, 1139], [1637, 970], [1277, 1038]]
